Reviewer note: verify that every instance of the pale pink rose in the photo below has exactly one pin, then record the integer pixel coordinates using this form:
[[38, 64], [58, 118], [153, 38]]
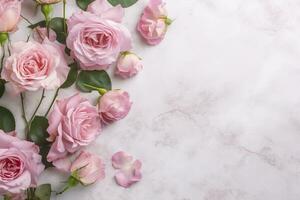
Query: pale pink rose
[[129, 170], [114, 105], [10, 11], [40, 33], [73, 123], [128, 65], [154, 22], [47, 1], [32, 66], [20, 164], [88, 168], [96, 39], [106, 11]]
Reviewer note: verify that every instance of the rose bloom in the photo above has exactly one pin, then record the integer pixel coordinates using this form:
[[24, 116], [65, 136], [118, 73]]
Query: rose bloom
[[20, 164], [96, 37], [10, 11], [154, 22], [128, 65], [87, 168], [32, 66], [73, 123], [114, 105]]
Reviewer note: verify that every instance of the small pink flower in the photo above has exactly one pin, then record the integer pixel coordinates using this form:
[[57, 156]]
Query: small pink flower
[[128, 65], [88, 168], [154, 22], [10, 11], [129, 171], [33, 66], [96, 37], [20, 164], [114, 105], [73, 124], [40, 33]]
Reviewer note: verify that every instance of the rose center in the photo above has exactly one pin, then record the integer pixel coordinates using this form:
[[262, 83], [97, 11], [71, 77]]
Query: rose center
[[10, 168], [99, 40]]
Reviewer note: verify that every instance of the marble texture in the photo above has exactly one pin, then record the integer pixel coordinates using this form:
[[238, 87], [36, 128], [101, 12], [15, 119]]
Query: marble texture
[[216, 113]]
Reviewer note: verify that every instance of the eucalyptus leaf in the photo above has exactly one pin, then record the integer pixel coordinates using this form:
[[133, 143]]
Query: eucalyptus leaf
[[38, 130], [7, 120], [72, 76], [124, 3], [83, 4], [43, 192], [2, 87], [88, 81]]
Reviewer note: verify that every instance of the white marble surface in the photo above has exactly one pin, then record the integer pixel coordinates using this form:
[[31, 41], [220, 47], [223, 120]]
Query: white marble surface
[[216, 112]]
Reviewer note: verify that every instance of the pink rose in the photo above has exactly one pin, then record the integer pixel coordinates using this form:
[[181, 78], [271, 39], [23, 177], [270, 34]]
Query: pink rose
[[10, 11], [96, 39], [129, 170], [73, 123], [40, 33], [32, 66], [20, 164], [114, 105], [154, 22], [87, 168], [128, 65]]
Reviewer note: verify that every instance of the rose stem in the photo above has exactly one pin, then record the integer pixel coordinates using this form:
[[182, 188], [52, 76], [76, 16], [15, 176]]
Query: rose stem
[[52, 102], [2, 58], [26, 20], [64, 15], [34, 113], [23, 109]]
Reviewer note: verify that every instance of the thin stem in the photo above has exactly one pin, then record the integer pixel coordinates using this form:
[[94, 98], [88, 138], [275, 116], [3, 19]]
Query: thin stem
[[2, 58], [26, 20], [64, 15], [37, 108], [52, 102], [9, 45], [23, 109]]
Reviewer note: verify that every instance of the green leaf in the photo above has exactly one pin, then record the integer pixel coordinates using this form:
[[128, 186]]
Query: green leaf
[[88, 81], [72, 76], [83, 4], [124, 3], [43, 192], [2, 87], [57, 24], [38, 131], [7, 120], [44, 150]]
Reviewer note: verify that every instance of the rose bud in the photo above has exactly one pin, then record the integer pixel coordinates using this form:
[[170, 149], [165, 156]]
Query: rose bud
[[113, 106], [128, 65], [20, 164], [40, 33], [154, 22], [10, 11], [86, 169]]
